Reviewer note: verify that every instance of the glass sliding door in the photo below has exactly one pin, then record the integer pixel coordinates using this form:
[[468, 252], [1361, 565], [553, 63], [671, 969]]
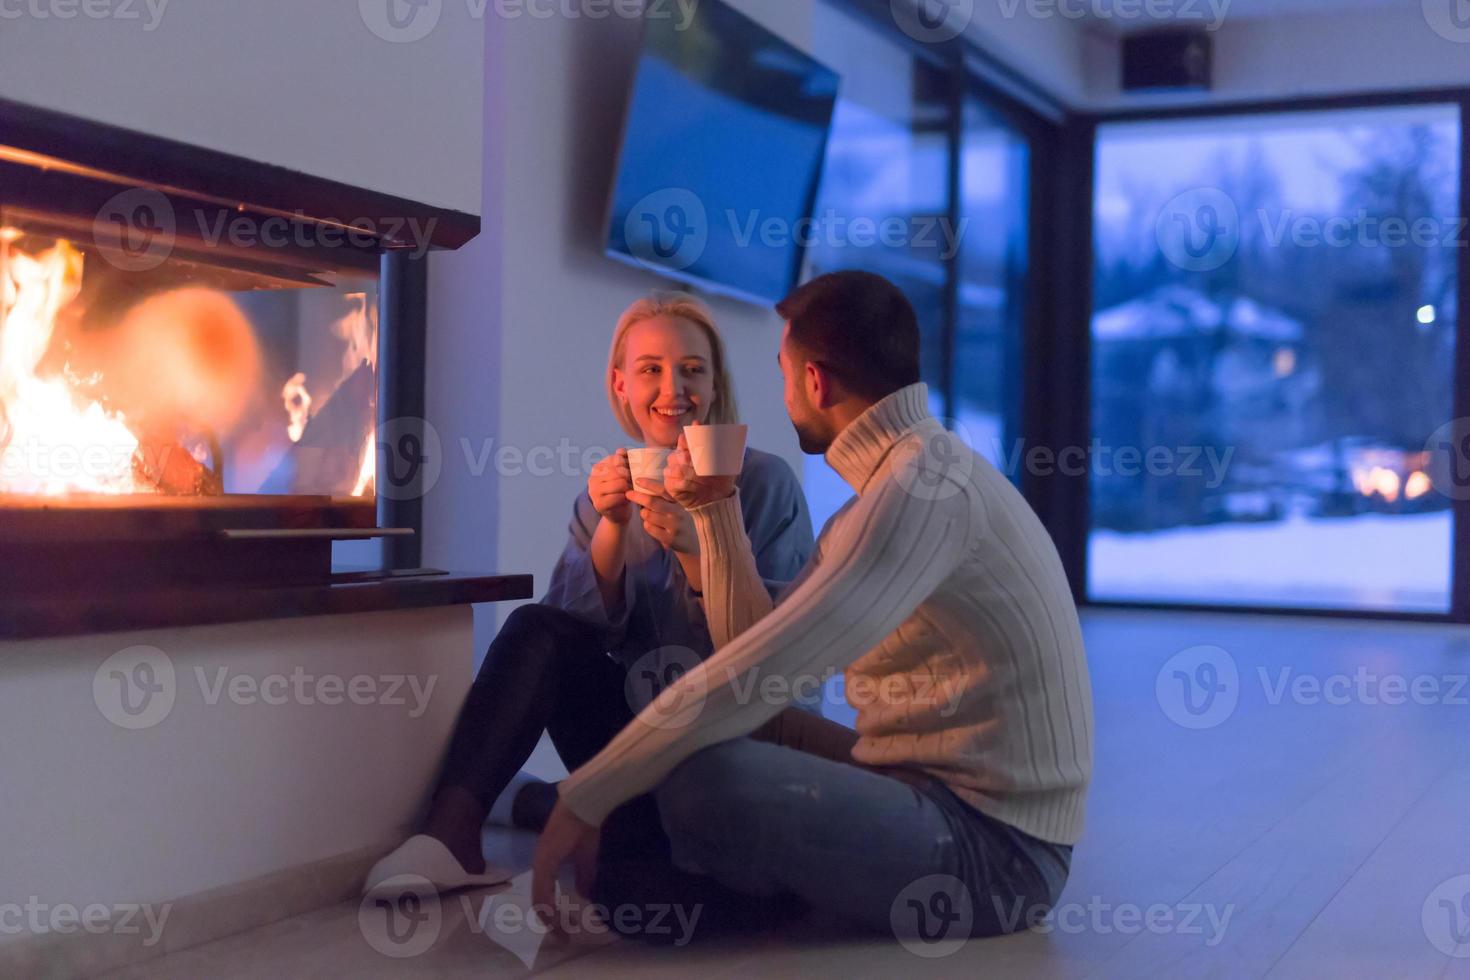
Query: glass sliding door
[[1273, 352], [886, 206], [885, 181], [993, 234], [885, 185]]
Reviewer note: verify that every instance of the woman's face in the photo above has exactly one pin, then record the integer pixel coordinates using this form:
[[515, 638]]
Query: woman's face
[[667, 377]]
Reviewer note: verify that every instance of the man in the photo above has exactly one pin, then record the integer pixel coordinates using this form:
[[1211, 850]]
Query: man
[[938, 592]]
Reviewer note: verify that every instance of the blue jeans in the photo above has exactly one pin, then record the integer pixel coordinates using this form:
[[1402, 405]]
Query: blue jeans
[[785, 820]]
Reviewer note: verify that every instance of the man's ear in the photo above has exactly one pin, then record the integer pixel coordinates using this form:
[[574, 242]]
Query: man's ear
[[820, 386]]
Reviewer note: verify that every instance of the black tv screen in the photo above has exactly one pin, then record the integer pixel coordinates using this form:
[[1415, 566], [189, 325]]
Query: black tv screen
[[722, 151]]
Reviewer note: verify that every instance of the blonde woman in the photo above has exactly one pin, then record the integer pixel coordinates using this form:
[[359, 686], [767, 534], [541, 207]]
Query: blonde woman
[[624, 597]]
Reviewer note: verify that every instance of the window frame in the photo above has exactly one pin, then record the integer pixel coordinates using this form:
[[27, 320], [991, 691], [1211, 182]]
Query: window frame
[[1055, 389], [1047, 127], [1071, 522]]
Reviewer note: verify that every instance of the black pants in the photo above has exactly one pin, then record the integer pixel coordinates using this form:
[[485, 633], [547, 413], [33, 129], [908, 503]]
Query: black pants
[[546, 671]]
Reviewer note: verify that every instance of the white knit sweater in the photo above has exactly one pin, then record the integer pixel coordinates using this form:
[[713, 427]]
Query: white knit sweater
[[939, 593]]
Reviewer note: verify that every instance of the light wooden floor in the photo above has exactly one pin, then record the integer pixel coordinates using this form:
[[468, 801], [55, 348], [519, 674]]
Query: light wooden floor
[[1330, 834]]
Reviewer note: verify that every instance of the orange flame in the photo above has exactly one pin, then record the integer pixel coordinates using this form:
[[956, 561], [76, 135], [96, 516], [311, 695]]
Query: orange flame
[[368, 471], [52, 440], [360, 329], [180, 367]]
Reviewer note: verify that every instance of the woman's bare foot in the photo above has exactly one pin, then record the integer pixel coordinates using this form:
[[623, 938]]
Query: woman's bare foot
[[455, 818]]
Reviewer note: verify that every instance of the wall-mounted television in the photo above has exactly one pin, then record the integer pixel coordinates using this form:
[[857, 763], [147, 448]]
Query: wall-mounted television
[[722, 151]]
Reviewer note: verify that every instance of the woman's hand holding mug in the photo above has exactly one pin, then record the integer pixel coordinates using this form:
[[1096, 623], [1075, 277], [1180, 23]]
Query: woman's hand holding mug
[[665, 521], [608, 486]]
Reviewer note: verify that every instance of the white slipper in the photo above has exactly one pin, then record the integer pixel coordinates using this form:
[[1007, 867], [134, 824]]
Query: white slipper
[[426, 858]]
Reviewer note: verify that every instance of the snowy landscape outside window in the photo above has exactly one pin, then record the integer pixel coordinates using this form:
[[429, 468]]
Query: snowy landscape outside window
[[1273, 350]]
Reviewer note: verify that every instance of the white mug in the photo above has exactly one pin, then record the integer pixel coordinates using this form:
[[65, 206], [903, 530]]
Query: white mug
[[647, 464], [716, 450]]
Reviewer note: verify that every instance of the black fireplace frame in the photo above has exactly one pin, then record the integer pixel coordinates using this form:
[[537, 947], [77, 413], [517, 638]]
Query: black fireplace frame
[[181, 169], [60, 170], [82, 164]]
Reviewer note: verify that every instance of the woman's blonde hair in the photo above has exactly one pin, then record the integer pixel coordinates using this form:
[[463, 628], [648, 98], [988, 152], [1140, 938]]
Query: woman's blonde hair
[[722, 410]]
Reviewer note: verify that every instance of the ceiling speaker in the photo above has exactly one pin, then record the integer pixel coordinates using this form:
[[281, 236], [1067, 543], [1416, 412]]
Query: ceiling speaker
[[1171, 60]]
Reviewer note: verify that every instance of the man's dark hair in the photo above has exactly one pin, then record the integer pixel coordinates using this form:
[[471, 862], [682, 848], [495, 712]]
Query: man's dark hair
[[860, 327]]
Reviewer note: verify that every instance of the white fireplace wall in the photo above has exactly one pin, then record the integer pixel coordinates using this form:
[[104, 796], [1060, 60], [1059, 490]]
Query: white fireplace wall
[[304, 85], [236, 780]]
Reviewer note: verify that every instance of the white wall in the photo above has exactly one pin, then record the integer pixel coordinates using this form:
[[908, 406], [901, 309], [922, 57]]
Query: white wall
[[219, 789], [1048, 51], [299, 83], [521, 319], [465, 369], [1377, 50]]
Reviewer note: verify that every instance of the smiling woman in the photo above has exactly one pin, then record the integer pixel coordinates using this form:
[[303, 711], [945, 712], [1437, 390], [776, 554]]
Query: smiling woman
[[667, 369], [623, 615]]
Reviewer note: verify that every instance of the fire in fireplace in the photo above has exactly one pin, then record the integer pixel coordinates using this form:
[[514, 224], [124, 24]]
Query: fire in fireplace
[[112, 383], [190, 383]]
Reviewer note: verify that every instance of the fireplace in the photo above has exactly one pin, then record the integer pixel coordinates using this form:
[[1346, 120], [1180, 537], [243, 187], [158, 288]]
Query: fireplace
[[196, 356]]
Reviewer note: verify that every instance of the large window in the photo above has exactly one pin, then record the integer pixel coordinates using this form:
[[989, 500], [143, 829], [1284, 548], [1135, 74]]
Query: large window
[[1273, 348], [994, 221], [886, 205]]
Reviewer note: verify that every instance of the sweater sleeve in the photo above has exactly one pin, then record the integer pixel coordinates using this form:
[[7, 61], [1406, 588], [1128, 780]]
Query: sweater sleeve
[[752, 546], [891, 552], [735, 594]]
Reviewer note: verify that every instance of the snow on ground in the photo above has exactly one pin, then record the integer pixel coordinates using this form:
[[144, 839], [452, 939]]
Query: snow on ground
[[1370, 562]]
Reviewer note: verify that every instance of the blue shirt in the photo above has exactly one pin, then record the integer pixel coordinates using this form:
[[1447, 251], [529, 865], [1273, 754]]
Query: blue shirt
[[660, 631]]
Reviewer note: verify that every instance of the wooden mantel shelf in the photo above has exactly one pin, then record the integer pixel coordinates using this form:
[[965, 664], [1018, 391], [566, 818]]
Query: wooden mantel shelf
[[34, 617]]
